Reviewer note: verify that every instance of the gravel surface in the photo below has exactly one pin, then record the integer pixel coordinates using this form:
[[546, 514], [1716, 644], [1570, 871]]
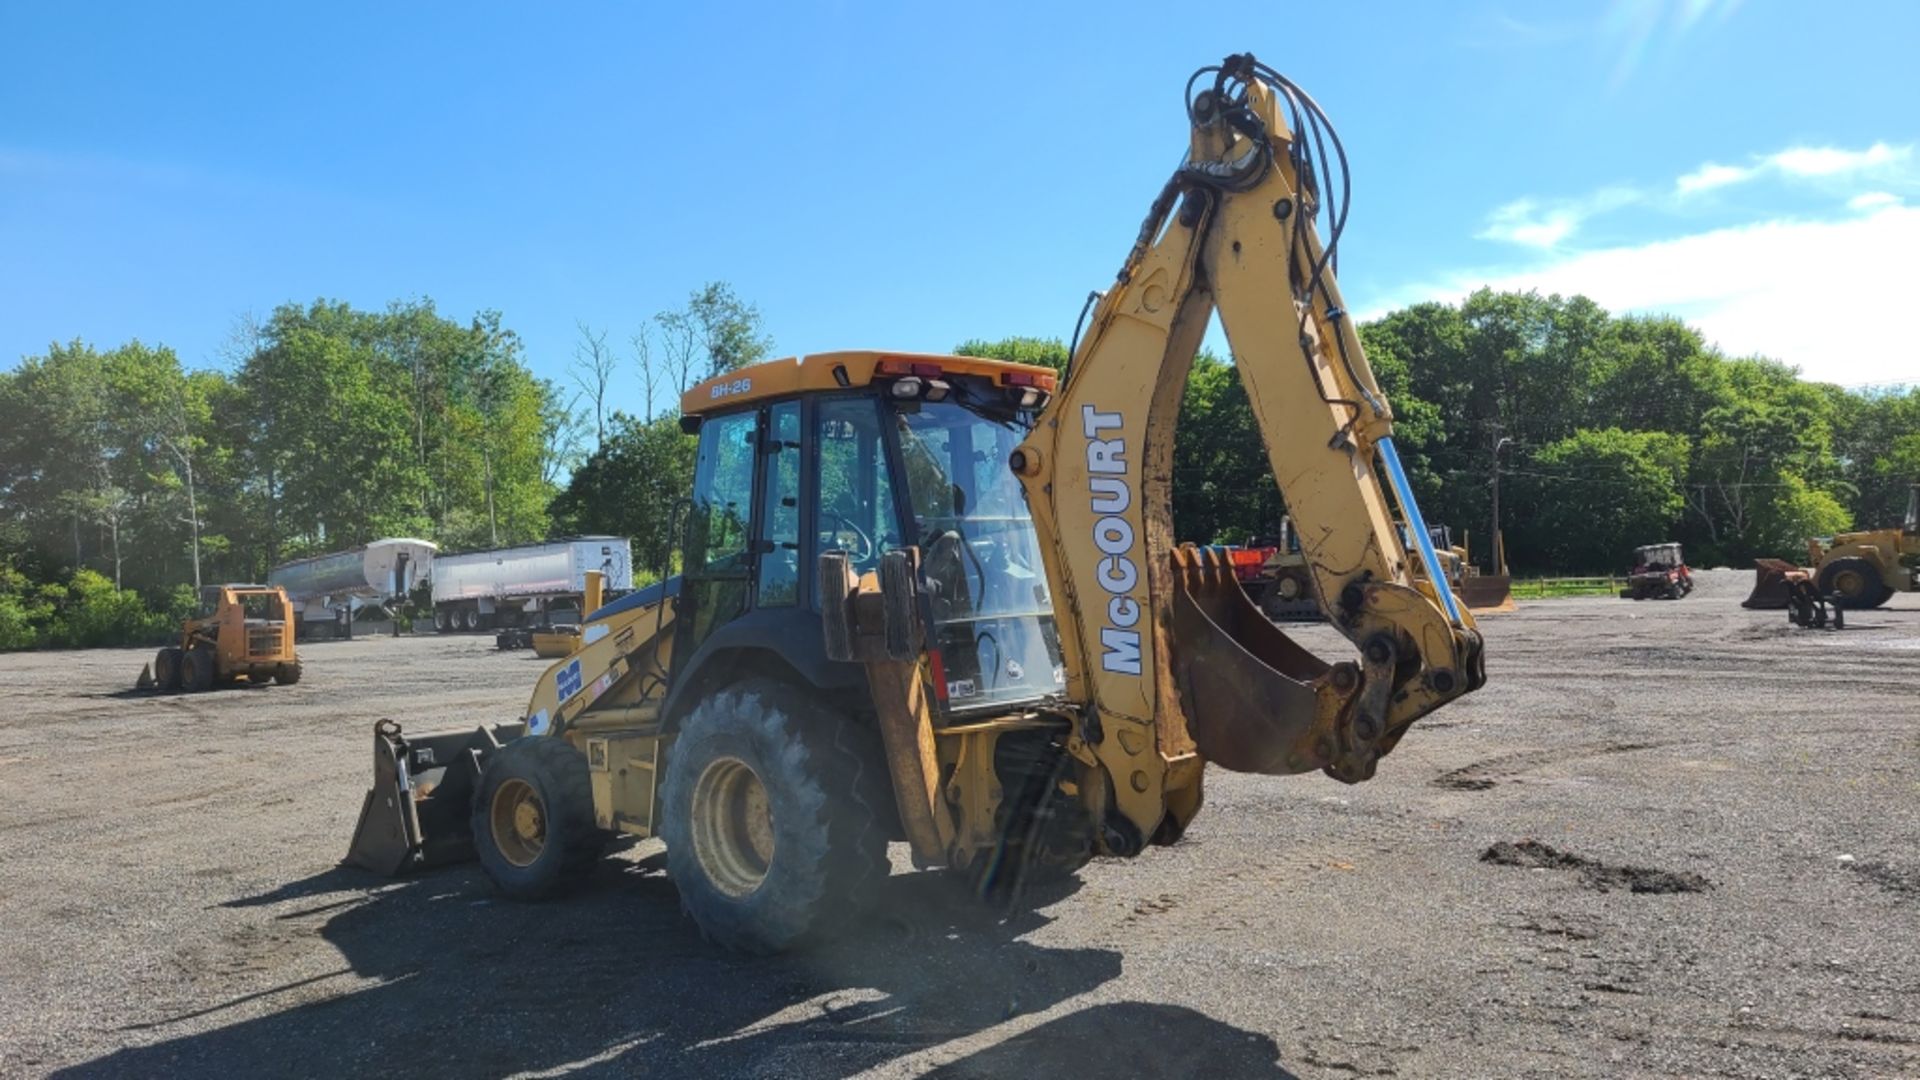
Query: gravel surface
[[1668, 838]]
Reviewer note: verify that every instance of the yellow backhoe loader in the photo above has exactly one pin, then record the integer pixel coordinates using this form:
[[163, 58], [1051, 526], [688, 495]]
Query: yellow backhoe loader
[[937, 599]]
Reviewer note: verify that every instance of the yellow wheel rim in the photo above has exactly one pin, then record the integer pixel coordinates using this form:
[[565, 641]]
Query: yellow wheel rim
[[519, 821], [1850, 584], [732, 826]]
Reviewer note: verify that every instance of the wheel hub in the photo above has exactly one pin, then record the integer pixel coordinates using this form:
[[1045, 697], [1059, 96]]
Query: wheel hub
[[732, 826], [519, 822]]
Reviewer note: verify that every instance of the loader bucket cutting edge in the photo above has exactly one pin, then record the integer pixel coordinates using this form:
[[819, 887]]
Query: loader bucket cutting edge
[[1255, 700], [417, 813], [1773, 584]]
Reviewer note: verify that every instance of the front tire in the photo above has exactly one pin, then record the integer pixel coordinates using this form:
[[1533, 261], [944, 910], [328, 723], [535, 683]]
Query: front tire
[[1854, 583], [288, 674], [197, 670], [772, 837], [166, 670], [533, 826]]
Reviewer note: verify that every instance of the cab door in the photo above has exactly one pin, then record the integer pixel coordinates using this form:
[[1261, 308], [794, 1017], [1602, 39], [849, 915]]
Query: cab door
[[743, 530], [718, 573]]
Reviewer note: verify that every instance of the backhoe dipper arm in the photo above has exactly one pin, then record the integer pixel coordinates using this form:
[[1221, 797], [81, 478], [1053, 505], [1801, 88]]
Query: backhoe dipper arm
[[1166, 660]]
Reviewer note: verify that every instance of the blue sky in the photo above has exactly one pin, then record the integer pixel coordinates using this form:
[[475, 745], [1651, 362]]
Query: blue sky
[[909, 175]]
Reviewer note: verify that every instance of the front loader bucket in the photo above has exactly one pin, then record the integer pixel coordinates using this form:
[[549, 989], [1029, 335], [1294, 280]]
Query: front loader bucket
[[417, 813], [1255, 701], [1773, 584], [1488, 593]]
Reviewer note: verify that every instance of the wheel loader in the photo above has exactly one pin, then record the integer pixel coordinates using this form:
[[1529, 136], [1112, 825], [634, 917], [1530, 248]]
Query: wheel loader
[[1857, 570], [1482, 593], [936, 600], [246, 636]]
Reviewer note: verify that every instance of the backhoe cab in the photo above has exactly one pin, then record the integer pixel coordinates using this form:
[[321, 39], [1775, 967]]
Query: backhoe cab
[[936, 599]]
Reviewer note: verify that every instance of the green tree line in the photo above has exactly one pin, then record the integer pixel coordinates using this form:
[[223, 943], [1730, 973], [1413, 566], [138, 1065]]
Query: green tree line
[[1611, 432], [123, 472]]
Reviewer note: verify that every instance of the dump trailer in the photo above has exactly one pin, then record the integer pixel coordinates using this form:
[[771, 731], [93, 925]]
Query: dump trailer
[[524, 584], [246, 636], [551, 640], [324, 589], [1659, 572], [936, 599], [1857, 570]]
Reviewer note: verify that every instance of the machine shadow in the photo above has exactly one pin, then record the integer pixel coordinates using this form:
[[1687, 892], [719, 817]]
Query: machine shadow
[[1126, 1038], [616, 981]]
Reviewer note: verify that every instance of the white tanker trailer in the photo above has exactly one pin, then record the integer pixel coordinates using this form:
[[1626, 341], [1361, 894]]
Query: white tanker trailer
[[323, 586], [510, 586]]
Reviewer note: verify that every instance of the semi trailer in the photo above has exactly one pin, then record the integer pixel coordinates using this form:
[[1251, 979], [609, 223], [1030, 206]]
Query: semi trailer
[[510, 586], [325, 588]]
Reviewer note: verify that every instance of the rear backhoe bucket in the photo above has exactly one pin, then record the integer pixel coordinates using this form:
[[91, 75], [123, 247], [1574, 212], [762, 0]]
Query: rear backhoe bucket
[[1487, 592], [417, 813], [1773, 584], [1255, 700]]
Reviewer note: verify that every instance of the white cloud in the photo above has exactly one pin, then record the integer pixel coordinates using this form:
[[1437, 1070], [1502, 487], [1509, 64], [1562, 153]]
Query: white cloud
[[1523, 222], [1798, 162], [1710, 176], [1537, 224], [1748, 288], [1827, 161], [1872, 200]]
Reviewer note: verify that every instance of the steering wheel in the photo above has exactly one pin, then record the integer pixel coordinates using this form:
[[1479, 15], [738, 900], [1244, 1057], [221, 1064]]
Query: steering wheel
[[843, 525]]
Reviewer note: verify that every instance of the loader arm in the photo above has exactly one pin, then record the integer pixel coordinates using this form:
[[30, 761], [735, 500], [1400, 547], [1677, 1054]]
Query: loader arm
[[1166, 661]]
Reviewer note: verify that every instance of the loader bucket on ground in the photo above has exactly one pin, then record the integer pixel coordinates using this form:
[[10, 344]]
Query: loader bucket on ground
[[1773, 584], [1255, 701], [1488, 593], [417, 813]]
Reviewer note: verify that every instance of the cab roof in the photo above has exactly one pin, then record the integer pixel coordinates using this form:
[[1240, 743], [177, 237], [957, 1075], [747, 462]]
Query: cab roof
[[836, 370]]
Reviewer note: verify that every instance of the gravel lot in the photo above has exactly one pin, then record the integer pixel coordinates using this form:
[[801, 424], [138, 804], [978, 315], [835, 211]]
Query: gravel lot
[[1666, 839]]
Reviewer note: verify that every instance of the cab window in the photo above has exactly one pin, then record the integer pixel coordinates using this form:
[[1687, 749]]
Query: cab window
[[856, 510], [722, 495]]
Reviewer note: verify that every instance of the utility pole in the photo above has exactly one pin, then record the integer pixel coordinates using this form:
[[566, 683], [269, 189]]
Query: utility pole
[[1499, 542]]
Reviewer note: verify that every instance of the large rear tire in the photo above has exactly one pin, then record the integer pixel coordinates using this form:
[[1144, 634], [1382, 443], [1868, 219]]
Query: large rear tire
[[533, 826], [1854, 583], [768, 811]]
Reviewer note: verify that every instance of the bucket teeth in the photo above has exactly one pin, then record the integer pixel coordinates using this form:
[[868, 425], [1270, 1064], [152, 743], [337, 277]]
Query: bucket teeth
[[145, 681]]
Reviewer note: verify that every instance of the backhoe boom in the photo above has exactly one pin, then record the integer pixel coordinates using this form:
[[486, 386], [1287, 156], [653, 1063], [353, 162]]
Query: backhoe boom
[[1166, 658]]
